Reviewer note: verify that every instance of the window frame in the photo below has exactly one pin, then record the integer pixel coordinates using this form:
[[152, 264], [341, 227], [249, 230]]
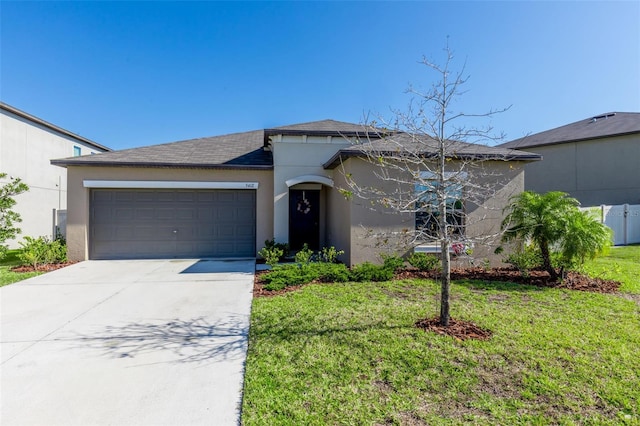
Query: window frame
[[424, 215]]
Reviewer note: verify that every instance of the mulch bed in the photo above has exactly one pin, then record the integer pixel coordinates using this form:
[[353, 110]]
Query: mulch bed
[[260, 291], [41, 268], [461, 330], [573, 280]]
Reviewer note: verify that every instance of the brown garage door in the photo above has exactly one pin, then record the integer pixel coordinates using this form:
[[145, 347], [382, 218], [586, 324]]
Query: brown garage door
[[158, 223]]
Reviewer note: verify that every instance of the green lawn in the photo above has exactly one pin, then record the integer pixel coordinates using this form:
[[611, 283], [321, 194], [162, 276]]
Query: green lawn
[[349, 354], [621, 264], [8, 277]]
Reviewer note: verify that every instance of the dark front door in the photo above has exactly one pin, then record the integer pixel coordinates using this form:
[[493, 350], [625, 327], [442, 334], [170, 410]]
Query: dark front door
[[304, 218]]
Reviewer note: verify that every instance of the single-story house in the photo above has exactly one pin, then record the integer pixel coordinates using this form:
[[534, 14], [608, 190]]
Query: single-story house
[[595, 160], [223, 196], [27, 145]]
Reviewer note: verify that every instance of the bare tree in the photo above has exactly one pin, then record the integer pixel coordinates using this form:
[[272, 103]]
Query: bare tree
[[432, 166]]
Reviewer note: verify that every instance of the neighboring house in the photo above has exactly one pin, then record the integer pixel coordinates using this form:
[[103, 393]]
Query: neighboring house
[[596, 160], [27, 144], [224, 196]]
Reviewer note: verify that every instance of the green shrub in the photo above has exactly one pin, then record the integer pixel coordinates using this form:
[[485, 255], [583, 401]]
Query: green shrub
[[424, 261], [271, 244], [304, 255], [272, 252], [288, 275], [57, 252], [392, 262], [271, 255], [284, 276], [39, 251], [332, 272], [330, 254], [369, 272], [525, 259]]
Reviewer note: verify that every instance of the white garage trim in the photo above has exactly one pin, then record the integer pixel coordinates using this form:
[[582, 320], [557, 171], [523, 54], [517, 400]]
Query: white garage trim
[[310, 179], [167, 184]]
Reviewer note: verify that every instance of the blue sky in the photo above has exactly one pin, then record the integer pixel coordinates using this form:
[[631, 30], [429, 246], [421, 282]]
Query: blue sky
[[129, 74]]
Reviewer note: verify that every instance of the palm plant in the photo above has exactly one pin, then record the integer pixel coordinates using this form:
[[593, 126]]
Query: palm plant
[[585, 238], [541, 218]]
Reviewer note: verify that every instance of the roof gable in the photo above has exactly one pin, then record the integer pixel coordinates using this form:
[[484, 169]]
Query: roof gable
[[597, 127]]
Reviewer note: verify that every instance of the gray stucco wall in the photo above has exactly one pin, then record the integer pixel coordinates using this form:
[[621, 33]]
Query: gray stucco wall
[[373, 232], [600, 171]]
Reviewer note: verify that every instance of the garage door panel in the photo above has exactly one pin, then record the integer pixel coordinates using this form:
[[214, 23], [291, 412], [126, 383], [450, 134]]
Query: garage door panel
[[165, 213], [226, 197], [124, 197], [242, 231], [165, 196], [122, 214], [144, 213], [245, 215], [128, 223], [203, 196], [183, 214], [187, 196]]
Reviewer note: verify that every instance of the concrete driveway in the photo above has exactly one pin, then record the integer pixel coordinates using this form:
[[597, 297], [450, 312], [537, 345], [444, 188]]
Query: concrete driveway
[[145, 342]]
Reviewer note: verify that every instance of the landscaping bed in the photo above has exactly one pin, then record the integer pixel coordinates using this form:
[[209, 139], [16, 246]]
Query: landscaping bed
[[48, 267], [573, 281]]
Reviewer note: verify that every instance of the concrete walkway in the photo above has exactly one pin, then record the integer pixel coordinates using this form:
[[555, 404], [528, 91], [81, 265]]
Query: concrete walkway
[[145, 342]]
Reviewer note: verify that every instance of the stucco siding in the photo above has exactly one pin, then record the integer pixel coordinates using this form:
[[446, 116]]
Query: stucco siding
[[484, 220], [375, 231], [339, 218], [295, 156], [26, 149], [599, 171], [78, 198]]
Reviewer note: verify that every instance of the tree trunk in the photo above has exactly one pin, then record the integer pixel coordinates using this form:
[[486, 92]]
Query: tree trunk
[[546, 260], [445, 284]]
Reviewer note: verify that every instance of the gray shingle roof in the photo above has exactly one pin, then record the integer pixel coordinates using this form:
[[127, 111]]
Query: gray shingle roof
[[599, 126], [324, 128], [246, 150], [237, 150], [410, 143]]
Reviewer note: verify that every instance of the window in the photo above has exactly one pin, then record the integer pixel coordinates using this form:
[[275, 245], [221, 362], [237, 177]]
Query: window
[[427, 205], [77, 151]]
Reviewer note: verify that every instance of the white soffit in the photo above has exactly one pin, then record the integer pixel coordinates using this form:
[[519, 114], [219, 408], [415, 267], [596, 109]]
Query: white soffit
[[310, 179], [167, 184]]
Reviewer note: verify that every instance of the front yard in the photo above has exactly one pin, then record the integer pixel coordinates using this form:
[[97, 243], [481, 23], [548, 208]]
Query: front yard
[[9, 277], [349, 354], [621, 264]]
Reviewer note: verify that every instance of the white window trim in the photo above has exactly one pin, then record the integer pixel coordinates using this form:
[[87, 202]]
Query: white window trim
[[164, 184]]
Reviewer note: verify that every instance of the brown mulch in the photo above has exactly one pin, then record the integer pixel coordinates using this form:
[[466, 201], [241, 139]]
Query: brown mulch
[[260, 291], [573, 280], [459, 329], [41, 268]]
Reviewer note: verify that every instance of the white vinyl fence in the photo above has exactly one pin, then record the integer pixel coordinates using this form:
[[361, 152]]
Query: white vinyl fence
[[623, 219], [59, 223]]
